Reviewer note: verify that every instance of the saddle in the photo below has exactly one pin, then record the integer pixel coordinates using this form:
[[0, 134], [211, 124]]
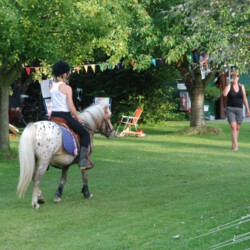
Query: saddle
[[71, 140]]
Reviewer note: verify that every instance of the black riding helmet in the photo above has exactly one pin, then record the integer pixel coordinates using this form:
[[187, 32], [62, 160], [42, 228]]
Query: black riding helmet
[[59, 68]]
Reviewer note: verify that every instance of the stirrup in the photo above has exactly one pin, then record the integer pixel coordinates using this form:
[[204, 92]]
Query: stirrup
[[87, 167]]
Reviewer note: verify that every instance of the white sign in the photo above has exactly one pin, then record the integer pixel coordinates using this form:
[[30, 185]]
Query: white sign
[[45, 87], [181, 86]]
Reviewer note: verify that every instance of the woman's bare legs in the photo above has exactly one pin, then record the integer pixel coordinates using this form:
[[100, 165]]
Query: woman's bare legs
[[235, 129]]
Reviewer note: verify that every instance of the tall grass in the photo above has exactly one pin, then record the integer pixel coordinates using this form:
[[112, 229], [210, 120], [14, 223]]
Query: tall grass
[[164, 191]]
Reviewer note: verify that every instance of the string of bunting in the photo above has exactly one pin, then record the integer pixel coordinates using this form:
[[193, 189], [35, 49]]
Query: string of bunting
[[202, 59], [102, 66]]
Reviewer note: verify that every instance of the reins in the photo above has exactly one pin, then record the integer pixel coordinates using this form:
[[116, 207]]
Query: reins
[[104, 120]]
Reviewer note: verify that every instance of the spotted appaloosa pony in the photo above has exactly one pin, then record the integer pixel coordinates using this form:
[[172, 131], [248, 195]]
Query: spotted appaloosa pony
[[41, 146]]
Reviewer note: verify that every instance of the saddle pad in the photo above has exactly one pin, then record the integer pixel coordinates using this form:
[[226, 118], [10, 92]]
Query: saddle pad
[[69, 141]]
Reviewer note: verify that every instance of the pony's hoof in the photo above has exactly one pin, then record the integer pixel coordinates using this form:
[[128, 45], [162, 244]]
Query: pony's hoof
[[91, 196], [35, 205], [57, 199], [86, 193], [88, 196]]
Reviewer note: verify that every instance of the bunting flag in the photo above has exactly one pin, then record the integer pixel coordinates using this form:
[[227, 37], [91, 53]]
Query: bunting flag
[[93, 67], [101, 67], [104, 66], [28, 69], [196, 57], [118, 65], [189, 58], [162, 60], [132, 63], [77, 68], [154, 62], [86, 68]]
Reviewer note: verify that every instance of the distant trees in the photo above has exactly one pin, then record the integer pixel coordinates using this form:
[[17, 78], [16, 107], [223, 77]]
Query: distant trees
[[34, 32], [182, 32], [192, 34]]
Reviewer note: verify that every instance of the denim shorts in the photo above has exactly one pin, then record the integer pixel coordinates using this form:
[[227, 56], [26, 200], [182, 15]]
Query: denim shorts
[[234, 114]]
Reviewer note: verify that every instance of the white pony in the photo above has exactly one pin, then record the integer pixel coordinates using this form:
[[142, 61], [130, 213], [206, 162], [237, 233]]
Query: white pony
[[41, 146]]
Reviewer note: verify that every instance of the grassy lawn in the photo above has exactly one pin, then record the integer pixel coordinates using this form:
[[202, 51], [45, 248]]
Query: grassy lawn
[[163, 191]]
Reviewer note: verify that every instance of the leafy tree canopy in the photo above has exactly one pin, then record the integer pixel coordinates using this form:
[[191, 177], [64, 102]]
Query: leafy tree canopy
[[183, 30], [35, 31], [180, 27], [42, 32]]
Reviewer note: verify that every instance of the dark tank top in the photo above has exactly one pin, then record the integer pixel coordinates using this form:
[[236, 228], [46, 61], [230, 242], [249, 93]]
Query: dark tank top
[[235, 99]]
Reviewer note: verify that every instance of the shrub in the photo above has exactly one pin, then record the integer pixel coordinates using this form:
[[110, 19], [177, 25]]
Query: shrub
[[212, 93]]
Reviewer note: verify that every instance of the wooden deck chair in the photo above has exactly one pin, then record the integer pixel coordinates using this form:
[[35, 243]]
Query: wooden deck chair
[[103, 100], [14, 131], [129, 123]]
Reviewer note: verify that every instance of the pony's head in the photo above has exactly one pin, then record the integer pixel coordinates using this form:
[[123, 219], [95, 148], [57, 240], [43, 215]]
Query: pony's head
[[97, 117]]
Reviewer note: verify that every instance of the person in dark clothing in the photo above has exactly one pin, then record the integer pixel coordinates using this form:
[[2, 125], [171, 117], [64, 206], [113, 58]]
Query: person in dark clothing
[[236, 97], [63, 107]]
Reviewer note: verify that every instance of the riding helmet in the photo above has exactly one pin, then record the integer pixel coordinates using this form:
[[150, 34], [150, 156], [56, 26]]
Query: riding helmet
[[59, 68]]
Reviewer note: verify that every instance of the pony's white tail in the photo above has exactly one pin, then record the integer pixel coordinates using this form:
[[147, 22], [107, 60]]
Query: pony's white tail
[[26, 158]]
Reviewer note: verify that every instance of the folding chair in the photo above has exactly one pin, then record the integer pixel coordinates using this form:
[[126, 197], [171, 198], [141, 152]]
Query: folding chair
[[130, 124], [103, 100]]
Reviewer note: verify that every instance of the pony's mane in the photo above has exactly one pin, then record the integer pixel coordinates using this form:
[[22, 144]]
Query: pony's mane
[[93, 114]]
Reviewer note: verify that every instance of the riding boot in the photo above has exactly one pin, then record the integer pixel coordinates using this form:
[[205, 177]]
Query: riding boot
[[84, 159]]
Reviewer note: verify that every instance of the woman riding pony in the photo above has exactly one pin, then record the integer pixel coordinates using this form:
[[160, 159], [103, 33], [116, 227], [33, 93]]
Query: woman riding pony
[[63, 107]]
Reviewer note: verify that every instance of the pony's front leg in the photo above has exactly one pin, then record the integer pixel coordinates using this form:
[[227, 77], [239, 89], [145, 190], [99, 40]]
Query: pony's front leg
[[63, 180], [37, 197], [85, 188]]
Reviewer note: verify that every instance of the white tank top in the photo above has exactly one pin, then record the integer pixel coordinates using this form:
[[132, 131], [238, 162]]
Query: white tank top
[[59, 100]]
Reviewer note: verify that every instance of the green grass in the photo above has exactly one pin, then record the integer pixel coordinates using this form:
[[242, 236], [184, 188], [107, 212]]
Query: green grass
[[146, 191]]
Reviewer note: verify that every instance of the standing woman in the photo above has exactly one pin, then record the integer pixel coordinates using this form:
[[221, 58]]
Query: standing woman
[[236, 97], [63, 107]]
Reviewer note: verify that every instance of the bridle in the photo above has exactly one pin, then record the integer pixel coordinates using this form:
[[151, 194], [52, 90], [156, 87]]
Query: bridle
[[108, 127]]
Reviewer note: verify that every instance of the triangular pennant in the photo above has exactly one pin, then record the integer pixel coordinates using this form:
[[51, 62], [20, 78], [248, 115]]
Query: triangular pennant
[[162, 60], [154, 61], [101, 67], [36, 68], [189, 58], [196, 57], [86, 68], [27, 70], [93, 67], [77, 68]]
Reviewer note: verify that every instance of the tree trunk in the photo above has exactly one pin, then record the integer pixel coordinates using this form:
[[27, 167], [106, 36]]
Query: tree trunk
[[196, 89], [197, 96], [197, 106], [7, 77], [4, 117]]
